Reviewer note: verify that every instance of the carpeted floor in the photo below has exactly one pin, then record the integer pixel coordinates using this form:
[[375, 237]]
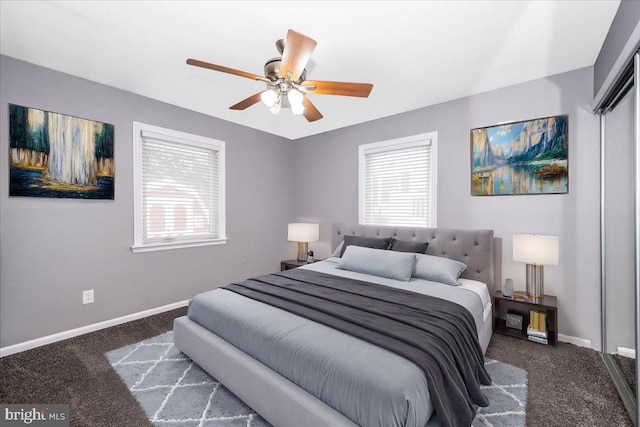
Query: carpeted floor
[[628, 368], [568, 385]]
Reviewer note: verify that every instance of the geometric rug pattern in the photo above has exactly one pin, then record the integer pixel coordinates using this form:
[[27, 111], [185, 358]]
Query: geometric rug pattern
[[175, 392], [507, 396]]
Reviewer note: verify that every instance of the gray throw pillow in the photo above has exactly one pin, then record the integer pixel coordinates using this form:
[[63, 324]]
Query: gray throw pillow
[[367, 242], [438, 269], [377, 262], [404, 246]]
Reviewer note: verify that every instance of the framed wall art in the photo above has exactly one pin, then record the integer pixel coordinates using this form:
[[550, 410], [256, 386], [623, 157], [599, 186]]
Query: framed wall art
[[527, 157], [55, 155]]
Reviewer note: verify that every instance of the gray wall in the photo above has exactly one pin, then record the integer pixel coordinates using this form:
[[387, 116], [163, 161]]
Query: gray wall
[[624, 23], [327, 184], [52, 249]]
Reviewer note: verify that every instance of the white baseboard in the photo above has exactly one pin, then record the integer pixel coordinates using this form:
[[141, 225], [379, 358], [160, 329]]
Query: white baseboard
[[580, 342], [38, 342], [627, 352], [28, 345]]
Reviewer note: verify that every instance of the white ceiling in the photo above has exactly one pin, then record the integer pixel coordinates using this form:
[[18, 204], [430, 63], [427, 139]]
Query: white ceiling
[[416, 54]]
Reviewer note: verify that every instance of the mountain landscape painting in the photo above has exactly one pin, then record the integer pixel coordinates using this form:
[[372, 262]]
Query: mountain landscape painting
[[55, 155], [528, 157]]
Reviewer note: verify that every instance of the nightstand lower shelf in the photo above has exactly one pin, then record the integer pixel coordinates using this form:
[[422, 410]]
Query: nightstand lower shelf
[[503, 305], [501, 328]]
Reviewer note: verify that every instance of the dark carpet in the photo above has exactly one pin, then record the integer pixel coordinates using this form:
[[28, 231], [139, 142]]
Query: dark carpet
[[568, 385], [628, 368]]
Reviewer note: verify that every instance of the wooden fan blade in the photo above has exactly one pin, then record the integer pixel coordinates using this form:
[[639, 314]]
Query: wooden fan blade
[[361, 90], [246, 103], [297, 51], [310, 113], [227, 70]]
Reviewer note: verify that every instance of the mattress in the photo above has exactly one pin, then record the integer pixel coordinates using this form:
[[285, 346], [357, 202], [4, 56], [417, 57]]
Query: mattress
[[369, 385]]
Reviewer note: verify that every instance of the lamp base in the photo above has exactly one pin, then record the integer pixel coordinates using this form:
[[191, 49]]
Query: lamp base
[[303, 251], [535, 280]]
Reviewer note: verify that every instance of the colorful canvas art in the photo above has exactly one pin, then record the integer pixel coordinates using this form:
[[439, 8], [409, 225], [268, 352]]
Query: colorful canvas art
[[528, 157], [55, 155]]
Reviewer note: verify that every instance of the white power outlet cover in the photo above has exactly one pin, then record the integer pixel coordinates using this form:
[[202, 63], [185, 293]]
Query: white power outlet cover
[[87, 297]]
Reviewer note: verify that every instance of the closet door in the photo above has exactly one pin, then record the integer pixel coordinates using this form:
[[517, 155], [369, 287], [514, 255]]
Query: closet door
[[619, 241], [619, 107]]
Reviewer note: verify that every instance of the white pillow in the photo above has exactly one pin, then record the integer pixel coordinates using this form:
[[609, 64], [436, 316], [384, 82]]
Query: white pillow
[[336, 253], [378, 262], [438, 269]]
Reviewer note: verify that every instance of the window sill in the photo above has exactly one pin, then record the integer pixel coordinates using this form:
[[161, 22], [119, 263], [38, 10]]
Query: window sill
[[163, 246]]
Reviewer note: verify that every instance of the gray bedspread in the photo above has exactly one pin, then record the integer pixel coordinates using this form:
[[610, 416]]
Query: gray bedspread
[[335, 367], [437, 335]]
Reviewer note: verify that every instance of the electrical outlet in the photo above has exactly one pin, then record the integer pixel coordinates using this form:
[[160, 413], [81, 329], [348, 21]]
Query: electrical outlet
[[87, 296]]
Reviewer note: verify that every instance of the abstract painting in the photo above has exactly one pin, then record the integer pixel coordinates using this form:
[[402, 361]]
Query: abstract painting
[[55, 155], [527, 157]]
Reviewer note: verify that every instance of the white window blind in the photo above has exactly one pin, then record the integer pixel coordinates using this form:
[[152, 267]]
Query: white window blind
[[180, 192], [397, 182]]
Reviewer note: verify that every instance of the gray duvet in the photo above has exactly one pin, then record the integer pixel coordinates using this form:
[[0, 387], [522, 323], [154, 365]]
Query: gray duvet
[[370, 385]]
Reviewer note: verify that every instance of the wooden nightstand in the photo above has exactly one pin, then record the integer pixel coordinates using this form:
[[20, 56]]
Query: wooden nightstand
[[292, 263], [502, 304]]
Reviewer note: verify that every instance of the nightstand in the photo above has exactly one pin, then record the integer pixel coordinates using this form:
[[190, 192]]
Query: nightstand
[[292, 263], [501, 305]]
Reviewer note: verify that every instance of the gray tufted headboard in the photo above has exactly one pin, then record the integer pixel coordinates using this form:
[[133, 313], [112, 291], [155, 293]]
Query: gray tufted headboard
[[476, 248]]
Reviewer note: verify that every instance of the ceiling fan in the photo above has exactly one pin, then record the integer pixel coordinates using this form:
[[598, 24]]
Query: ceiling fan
[[285, 77]]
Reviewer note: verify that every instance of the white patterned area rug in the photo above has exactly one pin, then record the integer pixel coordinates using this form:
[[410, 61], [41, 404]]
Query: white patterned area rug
[[175, 392]]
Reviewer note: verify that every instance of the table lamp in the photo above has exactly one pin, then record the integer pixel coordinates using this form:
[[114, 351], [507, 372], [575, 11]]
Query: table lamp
[[536, 251], [303, 233]]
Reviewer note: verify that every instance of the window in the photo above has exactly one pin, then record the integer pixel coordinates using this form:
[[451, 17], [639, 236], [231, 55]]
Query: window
[[398, 182], [179, 196]]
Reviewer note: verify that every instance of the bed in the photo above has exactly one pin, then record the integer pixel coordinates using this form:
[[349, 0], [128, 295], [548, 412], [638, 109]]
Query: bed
[[252, 354]]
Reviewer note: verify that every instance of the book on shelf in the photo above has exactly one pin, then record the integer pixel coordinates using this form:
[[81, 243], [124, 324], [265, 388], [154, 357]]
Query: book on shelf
[[538, 320], [538, 339], [536, 333], [542, 321], [533, 322]]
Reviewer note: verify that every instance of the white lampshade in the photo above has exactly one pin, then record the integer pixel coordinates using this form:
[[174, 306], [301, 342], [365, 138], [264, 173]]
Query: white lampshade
[[295, 101], [269, 97], [536, 249], [303, 232], [275, 109], [297, 109]]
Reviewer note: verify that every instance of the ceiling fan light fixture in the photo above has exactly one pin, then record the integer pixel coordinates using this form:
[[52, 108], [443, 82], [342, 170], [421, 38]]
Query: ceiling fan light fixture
[[275, 108], [295, 100], [286, 79], [269, 97], [297, 109]]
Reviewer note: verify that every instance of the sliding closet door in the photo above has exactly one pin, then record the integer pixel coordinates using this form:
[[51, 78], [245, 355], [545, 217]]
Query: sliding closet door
[[619, 240], [619, 228]]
